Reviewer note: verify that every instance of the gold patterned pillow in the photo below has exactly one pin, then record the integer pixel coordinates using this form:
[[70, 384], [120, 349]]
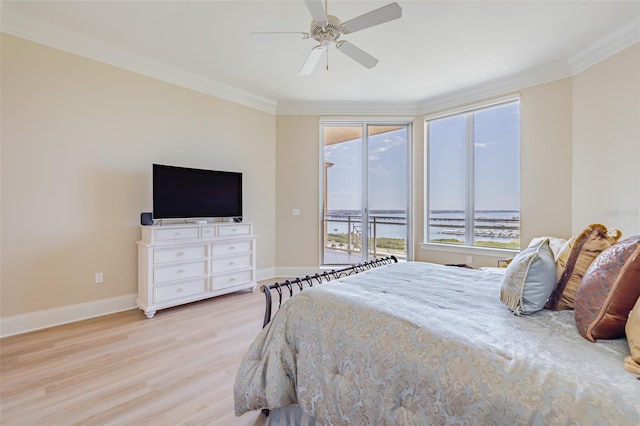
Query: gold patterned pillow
[[632, 362], [574, 259]]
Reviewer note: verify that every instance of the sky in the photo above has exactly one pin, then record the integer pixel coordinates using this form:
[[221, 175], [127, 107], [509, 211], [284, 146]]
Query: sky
[[497, 164], [387, 169], [497, 160]]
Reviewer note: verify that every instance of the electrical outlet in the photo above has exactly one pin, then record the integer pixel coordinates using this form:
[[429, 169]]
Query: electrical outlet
[[470, 260], [99, 277], [295, 212]]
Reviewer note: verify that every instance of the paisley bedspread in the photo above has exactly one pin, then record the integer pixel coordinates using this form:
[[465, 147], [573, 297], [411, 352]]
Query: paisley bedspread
[[419, 343]]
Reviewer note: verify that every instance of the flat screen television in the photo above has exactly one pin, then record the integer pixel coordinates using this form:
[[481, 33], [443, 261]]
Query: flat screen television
[[181, 192]]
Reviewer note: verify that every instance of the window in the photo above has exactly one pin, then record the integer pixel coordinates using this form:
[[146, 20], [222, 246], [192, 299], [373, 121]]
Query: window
[[473, 176], [365, 191]]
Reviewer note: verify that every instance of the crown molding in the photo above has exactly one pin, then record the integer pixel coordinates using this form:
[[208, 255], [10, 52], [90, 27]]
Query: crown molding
[[613, 43], [625, 36], [366, 108], [19, 26], [497, 87]]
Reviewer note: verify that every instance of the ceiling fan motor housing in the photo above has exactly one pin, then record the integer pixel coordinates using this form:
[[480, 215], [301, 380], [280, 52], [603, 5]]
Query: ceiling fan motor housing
[[326, 32]]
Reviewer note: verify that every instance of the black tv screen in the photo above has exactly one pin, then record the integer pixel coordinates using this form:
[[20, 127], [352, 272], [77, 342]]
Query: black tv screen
[[180, 192]]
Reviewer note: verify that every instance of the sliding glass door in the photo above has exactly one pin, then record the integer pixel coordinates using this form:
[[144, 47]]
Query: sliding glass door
[[365, 186]]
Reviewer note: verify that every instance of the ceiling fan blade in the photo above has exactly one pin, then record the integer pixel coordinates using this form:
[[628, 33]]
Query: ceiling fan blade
[[312, 60], [375, 17], [317, 10], [357, 54], [280, 35]]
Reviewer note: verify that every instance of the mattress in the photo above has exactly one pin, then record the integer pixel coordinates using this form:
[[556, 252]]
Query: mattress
[[419, 343]]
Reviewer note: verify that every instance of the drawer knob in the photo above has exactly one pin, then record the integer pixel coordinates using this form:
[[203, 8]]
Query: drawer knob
[[232, 248], [232, 279], [180, 289], [180, 271], [232, 263], [180, 253]]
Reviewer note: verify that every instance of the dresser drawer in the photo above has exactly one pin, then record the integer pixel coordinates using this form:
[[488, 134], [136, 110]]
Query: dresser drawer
[[222, 249], [208, 232], [231, 230], [231, 263], [178, 291], [174, 254], [174, 234], [163, 274], [232, 279]]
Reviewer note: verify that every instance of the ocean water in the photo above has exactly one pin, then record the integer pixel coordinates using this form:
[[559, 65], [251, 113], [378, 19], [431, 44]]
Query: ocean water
[[388, 223], [492, 225]]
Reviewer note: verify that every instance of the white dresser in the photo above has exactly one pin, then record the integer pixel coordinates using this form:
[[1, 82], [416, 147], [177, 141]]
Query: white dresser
[[187, 262]]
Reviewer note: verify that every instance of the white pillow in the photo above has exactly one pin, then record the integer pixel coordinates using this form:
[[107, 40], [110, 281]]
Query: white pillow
[[556, 244], [529, 279]]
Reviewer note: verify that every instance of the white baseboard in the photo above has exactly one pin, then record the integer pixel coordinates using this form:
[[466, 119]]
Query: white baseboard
[[32, 321], [265, 274], [51, 317]]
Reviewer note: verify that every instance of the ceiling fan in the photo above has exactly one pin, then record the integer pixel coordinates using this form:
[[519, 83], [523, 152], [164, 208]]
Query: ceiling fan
[[327, 29]]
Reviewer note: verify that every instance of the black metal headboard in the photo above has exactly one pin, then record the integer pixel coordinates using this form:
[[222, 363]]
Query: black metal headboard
[[288, 286]]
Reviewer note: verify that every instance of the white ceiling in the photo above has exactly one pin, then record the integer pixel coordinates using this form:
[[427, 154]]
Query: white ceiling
[[435, 48]]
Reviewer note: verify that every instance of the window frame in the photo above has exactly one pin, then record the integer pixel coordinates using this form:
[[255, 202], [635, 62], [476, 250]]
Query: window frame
[[365, 122], [467, 247]]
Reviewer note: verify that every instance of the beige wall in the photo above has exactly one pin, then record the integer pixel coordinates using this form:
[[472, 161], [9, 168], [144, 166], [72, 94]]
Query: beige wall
[[297, 187], [606, 144], [545, 172], [79, 137], [545, 179], [78, 140], [580, 150], [545, 160]]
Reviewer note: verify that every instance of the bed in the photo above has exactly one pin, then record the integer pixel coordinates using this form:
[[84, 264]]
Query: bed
[[420, 343]]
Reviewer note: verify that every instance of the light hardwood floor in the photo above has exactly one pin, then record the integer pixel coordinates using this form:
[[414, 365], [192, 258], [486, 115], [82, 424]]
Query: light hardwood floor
[[122, 369]]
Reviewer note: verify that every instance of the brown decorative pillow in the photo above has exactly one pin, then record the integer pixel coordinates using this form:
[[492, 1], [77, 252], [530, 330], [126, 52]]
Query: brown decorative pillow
[[573, 260], [632, 363], [609, 290]]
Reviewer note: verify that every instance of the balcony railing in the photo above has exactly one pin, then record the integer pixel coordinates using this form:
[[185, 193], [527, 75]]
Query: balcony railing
[[488, 230], [382, 241], [343, 233]]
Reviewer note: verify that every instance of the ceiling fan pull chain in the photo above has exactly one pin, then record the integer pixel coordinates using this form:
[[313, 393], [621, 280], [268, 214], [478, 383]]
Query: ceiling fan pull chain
[[327, 59]]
